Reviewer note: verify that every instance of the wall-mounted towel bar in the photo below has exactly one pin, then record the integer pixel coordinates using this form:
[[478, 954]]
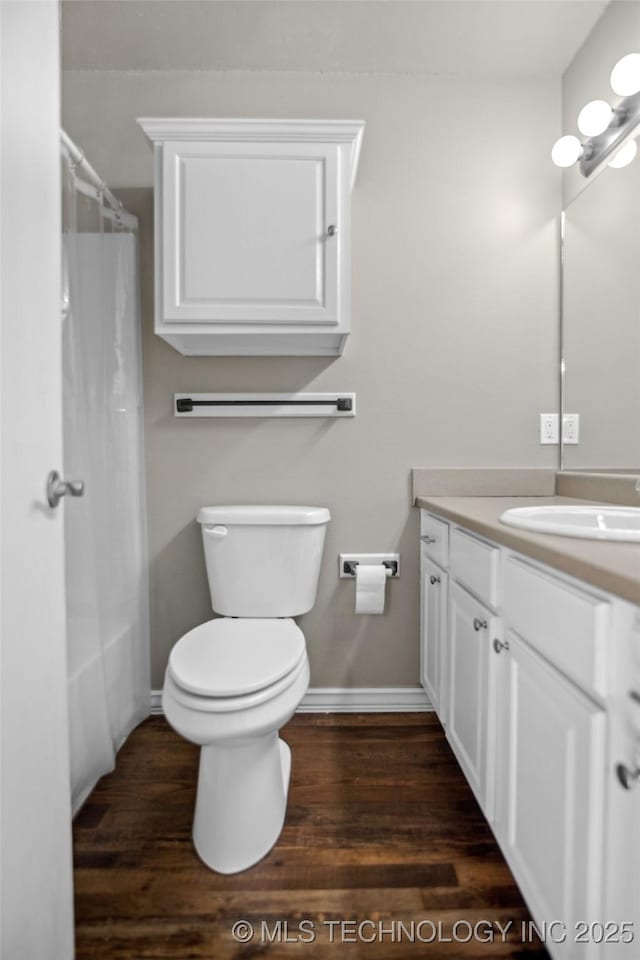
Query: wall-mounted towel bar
[[265, 405]]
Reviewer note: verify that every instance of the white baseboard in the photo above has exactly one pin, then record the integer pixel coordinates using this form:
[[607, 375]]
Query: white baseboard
[[365, 700], [349, 700], [156, 703]]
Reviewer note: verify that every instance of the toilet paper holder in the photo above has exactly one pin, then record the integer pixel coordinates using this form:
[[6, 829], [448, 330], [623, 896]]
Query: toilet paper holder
[[349, 561]]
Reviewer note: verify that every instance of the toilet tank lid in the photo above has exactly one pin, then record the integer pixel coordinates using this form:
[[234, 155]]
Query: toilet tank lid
[[272, 515]]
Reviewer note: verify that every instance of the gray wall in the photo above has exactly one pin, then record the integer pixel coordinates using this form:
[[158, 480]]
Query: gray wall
[[454, 343]]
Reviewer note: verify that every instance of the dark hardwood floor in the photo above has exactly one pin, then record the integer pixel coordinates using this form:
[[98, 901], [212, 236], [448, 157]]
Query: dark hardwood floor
[[384, 854]]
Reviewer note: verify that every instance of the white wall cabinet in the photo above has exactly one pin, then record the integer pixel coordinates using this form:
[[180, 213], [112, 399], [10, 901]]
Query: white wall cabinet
[[542, 710], [253, 230]]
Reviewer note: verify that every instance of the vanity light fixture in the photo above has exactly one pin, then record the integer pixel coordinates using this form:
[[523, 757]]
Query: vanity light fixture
[[594, 118], [606, 127], [625, 155], [566, 151], [625, 76]]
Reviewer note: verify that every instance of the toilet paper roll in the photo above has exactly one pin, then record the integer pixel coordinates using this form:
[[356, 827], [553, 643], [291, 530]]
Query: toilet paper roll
[[371, 581]]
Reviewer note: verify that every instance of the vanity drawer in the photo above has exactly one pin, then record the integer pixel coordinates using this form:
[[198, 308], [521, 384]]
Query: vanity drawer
[[434, 535], [565, 624], [476, 565]]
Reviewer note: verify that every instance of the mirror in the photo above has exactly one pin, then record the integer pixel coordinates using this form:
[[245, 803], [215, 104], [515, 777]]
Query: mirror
[[601, 322]]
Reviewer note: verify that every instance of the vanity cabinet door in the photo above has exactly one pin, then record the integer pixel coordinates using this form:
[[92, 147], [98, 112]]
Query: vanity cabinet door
[[550, 795], [251, 233], [433, 628], [471, 700]]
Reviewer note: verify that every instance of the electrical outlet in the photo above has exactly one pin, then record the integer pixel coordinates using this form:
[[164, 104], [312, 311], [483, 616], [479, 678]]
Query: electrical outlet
[[549, 428], [571, 428]]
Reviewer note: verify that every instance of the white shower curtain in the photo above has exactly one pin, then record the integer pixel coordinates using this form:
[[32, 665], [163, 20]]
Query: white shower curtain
[[105, 531]]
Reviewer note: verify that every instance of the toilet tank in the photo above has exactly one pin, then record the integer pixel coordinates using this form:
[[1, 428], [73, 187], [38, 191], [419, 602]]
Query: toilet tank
[[263, 561]]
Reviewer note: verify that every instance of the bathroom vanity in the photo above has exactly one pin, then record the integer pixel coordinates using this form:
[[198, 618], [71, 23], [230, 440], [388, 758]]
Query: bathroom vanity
[[534, 673]]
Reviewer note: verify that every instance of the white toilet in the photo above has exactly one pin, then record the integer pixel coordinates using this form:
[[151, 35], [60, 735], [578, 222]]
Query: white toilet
[[231, 683]]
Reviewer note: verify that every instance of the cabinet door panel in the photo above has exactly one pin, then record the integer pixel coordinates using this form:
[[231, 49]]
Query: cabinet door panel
[[471, 706], [551, 785], [245, 228], [433, 630]]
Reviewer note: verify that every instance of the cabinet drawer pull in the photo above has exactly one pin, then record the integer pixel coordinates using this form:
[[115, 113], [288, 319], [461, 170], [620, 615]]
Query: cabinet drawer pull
[[628, 778], [479, 624], [499, 645], [433, 579], [427, 539]]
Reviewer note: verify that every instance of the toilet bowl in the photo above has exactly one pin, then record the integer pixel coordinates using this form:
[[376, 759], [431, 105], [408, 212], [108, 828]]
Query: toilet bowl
[[232, 682]]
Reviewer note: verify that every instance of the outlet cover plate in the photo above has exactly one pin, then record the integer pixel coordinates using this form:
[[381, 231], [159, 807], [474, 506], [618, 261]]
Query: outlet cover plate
[[549, 432], [571, 428]]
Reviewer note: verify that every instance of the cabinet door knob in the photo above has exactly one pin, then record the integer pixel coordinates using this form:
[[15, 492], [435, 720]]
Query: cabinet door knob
[[634, 695], [499, 645], [479, 624], [427, 539], [332, 230], [628, 778], [433, 579]]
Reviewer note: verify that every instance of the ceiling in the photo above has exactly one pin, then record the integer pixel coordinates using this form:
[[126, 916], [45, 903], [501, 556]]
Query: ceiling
[[502, 38]]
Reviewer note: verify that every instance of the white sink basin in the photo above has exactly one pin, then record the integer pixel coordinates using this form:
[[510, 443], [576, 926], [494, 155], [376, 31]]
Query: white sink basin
[[599, 522]]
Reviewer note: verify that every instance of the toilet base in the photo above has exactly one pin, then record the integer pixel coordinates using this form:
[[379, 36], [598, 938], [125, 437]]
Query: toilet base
[[241, 801]]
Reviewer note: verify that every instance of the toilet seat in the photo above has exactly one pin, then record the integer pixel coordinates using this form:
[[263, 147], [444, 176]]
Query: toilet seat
[[237, 659], [230, 705]]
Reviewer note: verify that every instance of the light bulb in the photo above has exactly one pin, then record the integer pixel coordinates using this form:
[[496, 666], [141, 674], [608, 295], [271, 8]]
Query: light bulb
[[625, 76], [566, 151], [625, 155], [594, 118]]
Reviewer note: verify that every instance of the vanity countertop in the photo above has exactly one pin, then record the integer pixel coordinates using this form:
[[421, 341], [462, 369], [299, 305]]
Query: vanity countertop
[[609, 565]]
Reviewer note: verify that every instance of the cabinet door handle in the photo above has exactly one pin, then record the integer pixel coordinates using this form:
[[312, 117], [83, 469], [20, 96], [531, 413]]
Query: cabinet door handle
[[628, 778], [427, 539], [332, 230], [433, 579], [499, 645], [479, 624]]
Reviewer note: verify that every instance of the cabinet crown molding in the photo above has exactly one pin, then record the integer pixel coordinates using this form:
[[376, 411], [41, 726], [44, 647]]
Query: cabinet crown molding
[[229, 129]]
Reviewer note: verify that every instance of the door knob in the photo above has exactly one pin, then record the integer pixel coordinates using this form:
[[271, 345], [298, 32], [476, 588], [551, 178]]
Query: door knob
[[58, 488]]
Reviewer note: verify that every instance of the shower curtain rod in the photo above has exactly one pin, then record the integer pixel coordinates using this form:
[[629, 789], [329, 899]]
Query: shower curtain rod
[[81, 163]]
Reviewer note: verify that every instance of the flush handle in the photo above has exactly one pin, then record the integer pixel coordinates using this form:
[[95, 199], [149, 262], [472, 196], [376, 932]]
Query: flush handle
[[218, 531], [628, 778], [58, 488]]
